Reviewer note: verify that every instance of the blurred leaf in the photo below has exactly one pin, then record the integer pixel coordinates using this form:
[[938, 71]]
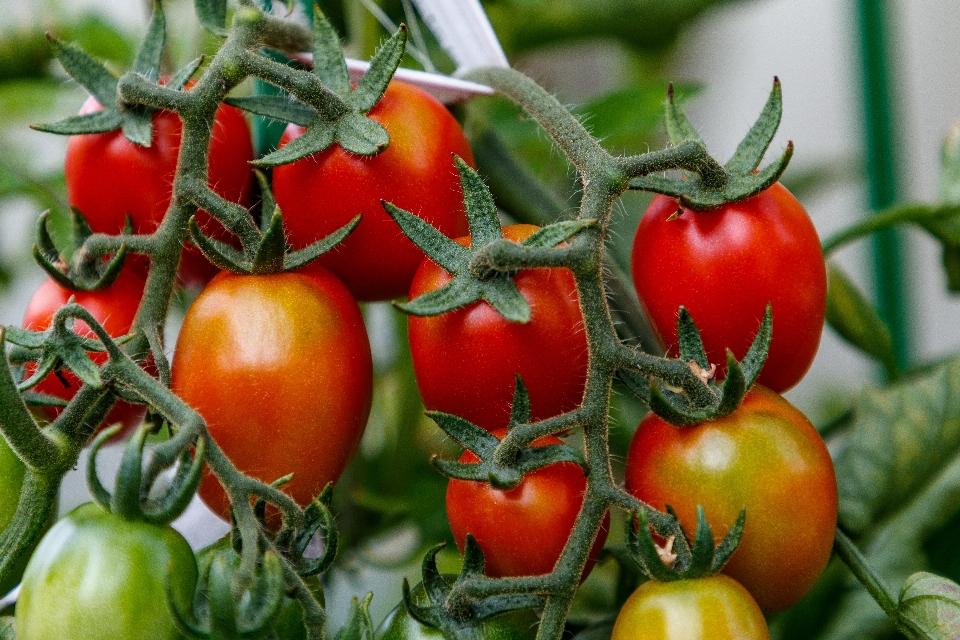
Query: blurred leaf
[[7, 632], [24, 54], [931, 604], [950, 166], [857, 321], [100, 38]]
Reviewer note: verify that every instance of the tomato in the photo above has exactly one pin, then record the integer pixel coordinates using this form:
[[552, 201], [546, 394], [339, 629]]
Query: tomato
[[466, 360], [322, 193], [12, 471], [279, 366], [109, 177], [766, 458], [400, 625], [547, 502], [115, 307], [724, 266], [95, 575], [714, 608]]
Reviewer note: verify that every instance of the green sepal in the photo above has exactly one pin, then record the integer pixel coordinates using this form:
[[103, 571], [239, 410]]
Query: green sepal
[[75, 358], [137, 125], [314, 140], [97, 122], [281, 108], [25, 338], [360, 135], [92, 275], [267, 202], [182, 77], [269, 254], [87, 71], [459, 292], [150, 53], [856, 320], [303, 257], [316, 516], [729, 544], [478, 202], [359, 625], [553, 234], [737, 180], [472, 558], [222, 255], [35, 399], [212, 15], [328, 62], [689, 342], [451, 256], [383, 65]]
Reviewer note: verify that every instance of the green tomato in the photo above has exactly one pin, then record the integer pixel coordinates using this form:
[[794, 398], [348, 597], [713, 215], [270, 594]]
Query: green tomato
[[95, 575], [12, 472], [400, 625]]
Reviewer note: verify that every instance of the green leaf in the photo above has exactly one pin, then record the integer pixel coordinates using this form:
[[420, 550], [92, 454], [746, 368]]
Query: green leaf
[[382, 67], [150, 53], [361, 135], [7, 630], [751, 149], [856, 320], [931, 605], [281, 108], [328, 62], [212, 15], [87, 71]]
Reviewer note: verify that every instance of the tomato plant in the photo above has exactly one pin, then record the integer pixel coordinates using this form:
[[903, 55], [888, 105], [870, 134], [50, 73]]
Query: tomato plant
[[547, 501], [466, 361], [724, 266], [96, 575], [712, 608], [321, 193], [279, 366], [766, 458], [400, 625], [115, 307], [11, 481], [141, 178]]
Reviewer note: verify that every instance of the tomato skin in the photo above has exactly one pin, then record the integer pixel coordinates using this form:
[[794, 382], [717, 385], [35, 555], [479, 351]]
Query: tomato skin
[[713, 608], [280, 368], [115, 307], [108, 176], [466, 360], [320, 194], [95, 575], [724, 266], [547, 502], [765, 457], [400, 625]]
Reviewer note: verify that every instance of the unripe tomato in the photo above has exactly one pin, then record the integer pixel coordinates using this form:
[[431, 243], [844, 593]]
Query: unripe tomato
[[109, 177], [115, 307], [12, 471], [95, 575], [766, 458], [279, 366], [724, 266], [320, 194], [466, 360], [714, 608], [522, 531]]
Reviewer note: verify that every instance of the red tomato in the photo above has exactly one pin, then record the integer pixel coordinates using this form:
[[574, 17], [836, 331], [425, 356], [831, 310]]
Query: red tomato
[[724, 266], [109, 177], [115, 308], [279, 366], [765, 457], [322, 193], [714, 608], [523, 531], [465, 360]]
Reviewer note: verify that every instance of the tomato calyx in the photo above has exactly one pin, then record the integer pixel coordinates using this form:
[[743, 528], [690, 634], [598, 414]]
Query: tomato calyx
[[451, 609], [678, 408], [82, 272], [131, 497], [291, 541], [676, 559], [491, 468], [475, 269], [705, 183], [331, 110]]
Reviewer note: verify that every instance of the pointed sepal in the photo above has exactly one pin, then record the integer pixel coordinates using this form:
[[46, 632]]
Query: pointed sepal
[[374, 82], [150, 53], [316, 138], [212, 15], [280, 108], [328, 62], [359, 625]]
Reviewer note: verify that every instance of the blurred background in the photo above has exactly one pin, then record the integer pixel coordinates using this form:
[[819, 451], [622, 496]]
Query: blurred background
[[611, 61]]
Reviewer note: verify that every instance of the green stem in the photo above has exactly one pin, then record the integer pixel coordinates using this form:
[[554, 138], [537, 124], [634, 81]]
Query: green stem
[[867, 575]]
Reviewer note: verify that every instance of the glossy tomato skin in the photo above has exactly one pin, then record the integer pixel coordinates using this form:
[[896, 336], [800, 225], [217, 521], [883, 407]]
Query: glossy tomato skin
[[400, 625], [714, 608], [95, 575], [115, 307], [279, 366], [108, 177], [523, 531], [320, 194], [466, 360], [766, 458], [724, 266]]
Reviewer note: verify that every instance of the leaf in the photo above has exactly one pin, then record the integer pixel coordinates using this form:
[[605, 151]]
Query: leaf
[[856, 320], [212, 15], [931, 604]]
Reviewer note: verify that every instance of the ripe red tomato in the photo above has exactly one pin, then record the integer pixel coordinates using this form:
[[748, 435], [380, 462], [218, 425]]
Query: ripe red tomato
[[322, 193], [766, 458], [714, 608], [109, 177], [523, 531], [466, 360], [724, 266], [279, 366], [115, 307]]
